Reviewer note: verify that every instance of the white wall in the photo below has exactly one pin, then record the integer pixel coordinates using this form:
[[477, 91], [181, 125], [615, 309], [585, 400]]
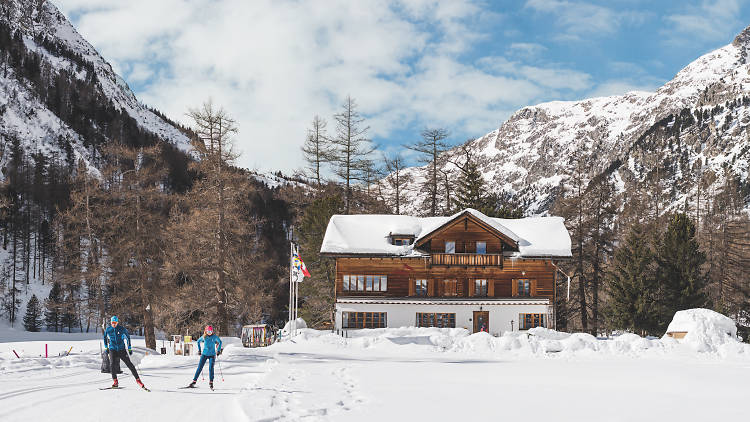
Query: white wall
[[404, 315]]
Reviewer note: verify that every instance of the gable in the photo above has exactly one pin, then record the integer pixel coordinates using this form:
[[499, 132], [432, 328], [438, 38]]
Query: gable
[[468, 227]]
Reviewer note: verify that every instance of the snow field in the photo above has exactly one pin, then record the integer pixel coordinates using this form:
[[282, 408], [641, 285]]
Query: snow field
[[393, 374]]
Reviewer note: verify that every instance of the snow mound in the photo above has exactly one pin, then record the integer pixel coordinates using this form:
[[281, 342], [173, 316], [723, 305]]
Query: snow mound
[[301, 324], [710, 333], [707, 330]]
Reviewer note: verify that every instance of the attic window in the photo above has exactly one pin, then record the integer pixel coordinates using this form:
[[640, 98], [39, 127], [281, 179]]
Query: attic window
[[401, 240]]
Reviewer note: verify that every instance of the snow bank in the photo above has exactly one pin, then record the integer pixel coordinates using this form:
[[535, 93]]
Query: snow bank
[[707, 330], [710, 333], [301, 324]]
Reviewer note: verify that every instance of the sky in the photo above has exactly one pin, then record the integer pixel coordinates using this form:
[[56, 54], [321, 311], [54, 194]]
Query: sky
[[463, 65]]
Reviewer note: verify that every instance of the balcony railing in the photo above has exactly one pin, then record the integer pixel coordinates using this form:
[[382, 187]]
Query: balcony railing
[[467, 259]]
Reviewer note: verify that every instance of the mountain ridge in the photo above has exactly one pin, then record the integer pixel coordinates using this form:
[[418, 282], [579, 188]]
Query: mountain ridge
[[57, 58], [529, 155]]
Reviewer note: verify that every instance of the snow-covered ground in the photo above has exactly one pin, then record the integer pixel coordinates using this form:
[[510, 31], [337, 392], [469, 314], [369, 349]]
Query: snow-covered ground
[[393, 374]]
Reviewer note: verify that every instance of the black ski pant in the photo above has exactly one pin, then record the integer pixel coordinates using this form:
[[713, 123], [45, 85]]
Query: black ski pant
[[115, 356]]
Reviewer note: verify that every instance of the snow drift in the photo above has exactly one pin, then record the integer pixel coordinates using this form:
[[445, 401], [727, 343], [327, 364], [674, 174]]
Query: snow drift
[[710, 333], [706, 330]]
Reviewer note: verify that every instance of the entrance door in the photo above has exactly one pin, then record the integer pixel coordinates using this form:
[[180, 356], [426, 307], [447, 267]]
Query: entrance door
[[481, 321]]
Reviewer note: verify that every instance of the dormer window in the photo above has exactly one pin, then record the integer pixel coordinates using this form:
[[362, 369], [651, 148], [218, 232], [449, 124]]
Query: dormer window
[[401, 240]]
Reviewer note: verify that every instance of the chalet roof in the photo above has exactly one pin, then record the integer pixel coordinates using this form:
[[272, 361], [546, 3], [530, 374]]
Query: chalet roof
[[368, 234]]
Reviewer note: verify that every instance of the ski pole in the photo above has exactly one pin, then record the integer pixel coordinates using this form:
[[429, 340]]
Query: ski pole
[[220, 372]]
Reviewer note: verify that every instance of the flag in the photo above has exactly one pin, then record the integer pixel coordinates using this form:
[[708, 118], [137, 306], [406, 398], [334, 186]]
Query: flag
[[298, 265]]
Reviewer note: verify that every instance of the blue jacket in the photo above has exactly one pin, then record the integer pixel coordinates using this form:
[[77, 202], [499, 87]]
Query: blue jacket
[[115, 338], [211, 343]]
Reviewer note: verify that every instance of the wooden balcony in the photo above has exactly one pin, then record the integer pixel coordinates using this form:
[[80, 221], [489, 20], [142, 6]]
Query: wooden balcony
[[467, 259]]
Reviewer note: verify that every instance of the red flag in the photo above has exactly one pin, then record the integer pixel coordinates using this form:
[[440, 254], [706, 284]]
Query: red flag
[[300, 264]]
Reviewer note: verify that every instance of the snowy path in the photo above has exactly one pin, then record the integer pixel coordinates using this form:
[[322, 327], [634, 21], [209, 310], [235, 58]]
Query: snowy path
[[330, 380]]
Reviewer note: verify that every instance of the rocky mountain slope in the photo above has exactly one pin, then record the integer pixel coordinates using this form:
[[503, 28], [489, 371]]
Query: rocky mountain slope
[[692, 133], [59, 96]]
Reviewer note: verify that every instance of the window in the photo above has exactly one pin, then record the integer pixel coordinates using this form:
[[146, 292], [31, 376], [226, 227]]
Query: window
[[402, 241], [439, 320], [450, 246], [449, 287], [421, 287], [365, 283], [480, 287], [363, 319], [527, 321], [482, 247], [524, 287]]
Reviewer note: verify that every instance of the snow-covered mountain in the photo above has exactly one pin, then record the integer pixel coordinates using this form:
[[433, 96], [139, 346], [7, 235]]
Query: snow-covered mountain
[[57, 94], [693, 131]]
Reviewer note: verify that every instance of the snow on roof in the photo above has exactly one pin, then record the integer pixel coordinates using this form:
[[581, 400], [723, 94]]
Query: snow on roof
[[492, 222], [370, 233]]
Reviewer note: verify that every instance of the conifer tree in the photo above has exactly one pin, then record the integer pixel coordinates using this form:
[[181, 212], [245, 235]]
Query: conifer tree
[[396, 180], [431, 147], [679, 261], [351, 148], [631, 284], [318, 291], [132, 220], [470, 190], [316, 150], [213, 236], [32, 321], [53, 304]]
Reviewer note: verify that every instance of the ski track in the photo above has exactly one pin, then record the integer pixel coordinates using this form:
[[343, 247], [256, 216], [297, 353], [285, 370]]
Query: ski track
[[259, 385]]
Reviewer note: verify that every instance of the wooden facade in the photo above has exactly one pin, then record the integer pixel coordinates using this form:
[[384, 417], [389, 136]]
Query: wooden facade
[[467, 273], [402, 275], [454, 274]]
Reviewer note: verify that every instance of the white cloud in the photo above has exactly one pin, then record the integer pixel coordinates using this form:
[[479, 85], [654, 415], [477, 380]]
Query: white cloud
[[711, 20], [577, 18], [525, 49], [275, 64]]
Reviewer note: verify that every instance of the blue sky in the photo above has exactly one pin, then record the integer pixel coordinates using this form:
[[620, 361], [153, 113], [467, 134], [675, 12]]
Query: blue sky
[[464, 65]]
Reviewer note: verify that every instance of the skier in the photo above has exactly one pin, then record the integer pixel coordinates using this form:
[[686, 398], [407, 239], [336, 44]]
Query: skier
[[114, 341], [211, 349]]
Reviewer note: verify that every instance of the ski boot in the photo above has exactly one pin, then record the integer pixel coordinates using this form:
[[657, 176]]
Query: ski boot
[[140, 383], [114, 383], [192, 385], [211, 385]]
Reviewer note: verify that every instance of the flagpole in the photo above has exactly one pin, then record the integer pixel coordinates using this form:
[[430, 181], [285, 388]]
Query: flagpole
[[291, 289]]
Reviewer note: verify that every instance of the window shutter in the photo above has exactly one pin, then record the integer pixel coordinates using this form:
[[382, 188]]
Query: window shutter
[[472, 287], [411, 286], [533, 288], [491, 288], [431, 287], [514, 286]]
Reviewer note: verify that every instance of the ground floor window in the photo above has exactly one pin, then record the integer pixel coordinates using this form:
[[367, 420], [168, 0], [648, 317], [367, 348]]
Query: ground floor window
[[440, 320], [527, 321], [363, 319]]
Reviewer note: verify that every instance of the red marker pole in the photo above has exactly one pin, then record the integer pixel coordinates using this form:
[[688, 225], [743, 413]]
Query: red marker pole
[[45, 350], [14, 352]]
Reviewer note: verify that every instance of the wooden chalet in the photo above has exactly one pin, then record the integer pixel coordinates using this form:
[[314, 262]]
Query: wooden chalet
[[467, 270]]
